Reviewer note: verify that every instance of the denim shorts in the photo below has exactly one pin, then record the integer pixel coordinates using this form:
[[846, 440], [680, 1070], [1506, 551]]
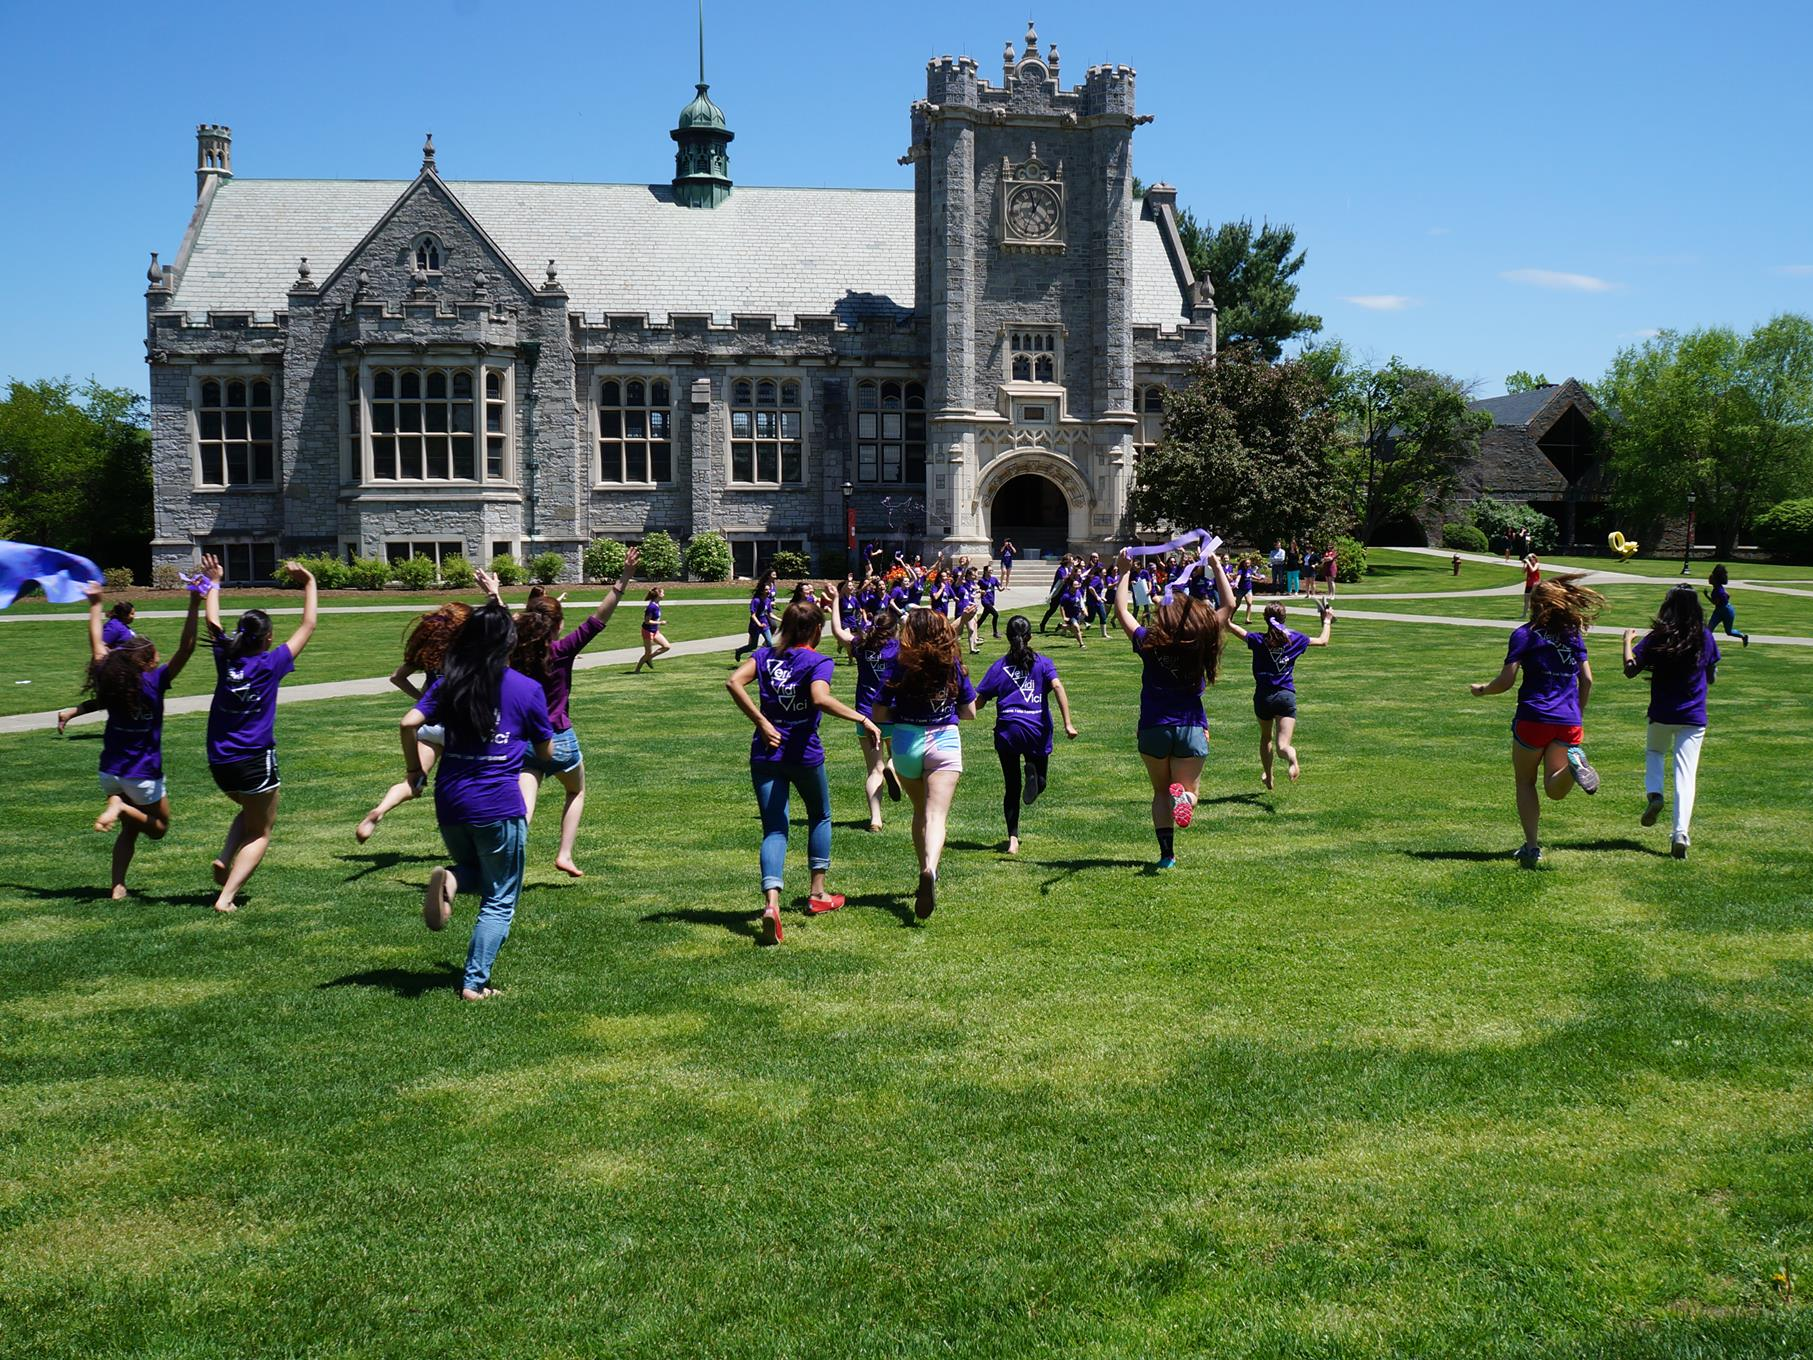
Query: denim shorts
[[566, 754], [139, 792], [919, 751], [1274, 703], [432, 734], [1174, 742]]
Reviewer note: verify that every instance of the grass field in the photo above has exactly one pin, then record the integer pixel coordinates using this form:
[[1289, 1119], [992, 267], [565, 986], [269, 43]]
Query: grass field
[[1348, 1083]]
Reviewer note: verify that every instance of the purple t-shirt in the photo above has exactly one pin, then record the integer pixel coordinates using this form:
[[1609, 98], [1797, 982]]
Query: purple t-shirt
[[1166, 698], [919, 710], [1677, 690], [651, 615], [1720, 596], [1022, 713], [476, 782], [242, 721], [1550, 691], [132, 747], [1273, 667], [114, 632], [989, 586], [558, 684], [871, 671], [785, 682]]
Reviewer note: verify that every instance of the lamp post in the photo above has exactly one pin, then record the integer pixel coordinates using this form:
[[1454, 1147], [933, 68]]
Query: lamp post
[[1687, 547], [850, 522]]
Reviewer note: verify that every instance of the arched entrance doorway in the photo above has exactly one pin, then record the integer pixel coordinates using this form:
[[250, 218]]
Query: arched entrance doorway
[[1032, 511]]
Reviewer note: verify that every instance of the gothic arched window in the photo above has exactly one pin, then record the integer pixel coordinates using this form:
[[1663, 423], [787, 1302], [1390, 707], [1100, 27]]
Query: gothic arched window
[[428, 254]]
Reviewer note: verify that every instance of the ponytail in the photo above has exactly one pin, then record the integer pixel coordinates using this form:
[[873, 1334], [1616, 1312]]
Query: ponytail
[[1019, 642], [251, 636]]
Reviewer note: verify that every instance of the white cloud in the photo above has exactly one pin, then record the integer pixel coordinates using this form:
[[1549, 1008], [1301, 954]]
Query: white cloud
[[1555, 278], [1381, 302], [1795, 271]]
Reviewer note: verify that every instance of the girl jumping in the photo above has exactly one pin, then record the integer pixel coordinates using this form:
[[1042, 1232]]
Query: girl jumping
[[1275, 651], [654, 644], [1682, 660], [1019, 683], [424, 651], [872, 646], [1722, 612]]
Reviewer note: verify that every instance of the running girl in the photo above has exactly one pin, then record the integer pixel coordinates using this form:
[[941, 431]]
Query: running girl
[[1275, 651], [493, 716], [544, 655], [1682, 660], [1179, 656], [1019, 683], [794, 684], [1243, 586], [926, 693], [126, 680], [873, 646], [1722, 612], [761, 615], [990, 615], [1075, 607], [968, 609], [654, 644], [1060, 580], [424, 651], [242, 724], [1546, 731]]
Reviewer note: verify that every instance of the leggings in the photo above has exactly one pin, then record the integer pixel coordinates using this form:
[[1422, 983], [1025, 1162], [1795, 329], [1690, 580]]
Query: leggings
[[989, 612], [1010, 776], [1051, 607], [758, 637], [773, 781], [1725, 614]]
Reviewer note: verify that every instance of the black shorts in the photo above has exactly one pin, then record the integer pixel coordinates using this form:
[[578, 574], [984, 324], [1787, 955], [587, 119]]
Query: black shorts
[[1277, 703], [247, 775]]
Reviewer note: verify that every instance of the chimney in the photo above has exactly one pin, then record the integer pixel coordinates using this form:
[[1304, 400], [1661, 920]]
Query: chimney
[[213, 155]]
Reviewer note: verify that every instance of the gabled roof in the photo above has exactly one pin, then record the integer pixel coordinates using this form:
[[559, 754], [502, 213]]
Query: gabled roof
[[1522, 409], [619, 247]]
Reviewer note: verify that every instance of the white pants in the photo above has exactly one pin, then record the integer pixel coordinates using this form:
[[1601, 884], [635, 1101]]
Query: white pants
[[1685, 742]]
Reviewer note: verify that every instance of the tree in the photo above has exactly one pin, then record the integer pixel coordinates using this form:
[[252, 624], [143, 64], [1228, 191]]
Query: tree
[[75, 470], [1404, 435], [1725, 416], [1253, 273], [1525, 381], [1245, 453]]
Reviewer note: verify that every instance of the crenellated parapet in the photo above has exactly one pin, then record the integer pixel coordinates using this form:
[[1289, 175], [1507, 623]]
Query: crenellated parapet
[[760, 337], [476, 325], [1031, 92], [174, 337]]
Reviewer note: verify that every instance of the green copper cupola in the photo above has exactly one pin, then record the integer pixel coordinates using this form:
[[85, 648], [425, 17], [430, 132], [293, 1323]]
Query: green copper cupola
[[702, 158]]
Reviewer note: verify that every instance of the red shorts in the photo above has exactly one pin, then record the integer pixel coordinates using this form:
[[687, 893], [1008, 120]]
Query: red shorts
[[1538, 735]]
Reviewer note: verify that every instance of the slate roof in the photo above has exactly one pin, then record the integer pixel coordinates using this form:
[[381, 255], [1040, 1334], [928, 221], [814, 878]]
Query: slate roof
[[1516, 408], [619, 247]]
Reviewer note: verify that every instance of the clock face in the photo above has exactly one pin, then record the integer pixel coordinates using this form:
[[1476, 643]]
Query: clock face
[[1033, 212]]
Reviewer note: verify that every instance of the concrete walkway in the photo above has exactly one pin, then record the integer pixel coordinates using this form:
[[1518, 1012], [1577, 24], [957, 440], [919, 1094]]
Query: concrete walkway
[[569, 605]]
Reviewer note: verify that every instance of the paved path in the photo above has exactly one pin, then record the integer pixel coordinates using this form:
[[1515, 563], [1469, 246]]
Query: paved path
[[570, 605]]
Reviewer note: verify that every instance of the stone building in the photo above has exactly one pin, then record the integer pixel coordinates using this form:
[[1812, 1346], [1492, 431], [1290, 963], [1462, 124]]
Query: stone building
[[438, 366], [1542, 450]]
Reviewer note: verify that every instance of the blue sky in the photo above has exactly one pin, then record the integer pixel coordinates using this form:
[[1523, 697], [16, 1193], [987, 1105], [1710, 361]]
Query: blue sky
[[1480, 187]]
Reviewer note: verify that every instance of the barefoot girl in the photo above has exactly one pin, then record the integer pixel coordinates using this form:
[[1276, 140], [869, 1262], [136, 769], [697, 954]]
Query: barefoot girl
[[1682, 660], [1275, 651], [654, 644], [793, 681], [424, 651], [761, 614], [1546, 732], [1019, 684], [126, 680], [873, 646], [926, 693], [493, 716], [543, 654], [1722, 612], [1179, 655], [242, 724]]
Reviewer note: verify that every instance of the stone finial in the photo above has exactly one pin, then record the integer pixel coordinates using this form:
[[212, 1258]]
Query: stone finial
[[363, 284], [553, 277], [1007, 53], [155, 273], [1032, 40], [1051, 57], [480, 283], [302, 270], [304, 283], [428, 152]]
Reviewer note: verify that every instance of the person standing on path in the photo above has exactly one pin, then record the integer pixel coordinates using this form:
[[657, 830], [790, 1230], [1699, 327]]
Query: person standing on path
[[1007, 554]]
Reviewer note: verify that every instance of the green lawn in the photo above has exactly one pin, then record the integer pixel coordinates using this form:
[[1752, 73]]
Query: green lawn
[[272, 598], [1348, 1083], [1671, 566], [1628, 606]]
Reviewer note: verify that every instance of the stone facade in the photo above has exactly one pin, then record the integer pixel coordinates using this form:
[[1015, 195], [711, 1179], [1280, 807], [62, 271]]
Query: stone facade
[[1023, 225]]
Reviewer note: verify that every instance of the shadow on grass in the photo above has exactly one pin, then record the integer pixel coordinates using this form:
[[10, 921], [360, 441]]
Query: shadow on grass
[[1069, 868], [1254, 799], [897, 905], [736, 922], [409, 983], [1623, 843], [380, 860], [199, 898], [1466, 856]]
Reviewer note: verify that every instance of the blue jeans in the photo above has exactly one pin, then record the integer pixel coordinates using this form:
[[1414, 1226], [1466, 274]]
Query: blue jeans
[[773, 781], [488, 859], [1725, 614]]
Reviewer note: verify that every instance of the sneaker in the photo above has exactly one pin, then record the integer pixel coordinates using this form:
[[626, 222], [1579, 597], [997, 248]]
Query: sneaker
[[1746, 638], [1652, 809], [770, 931], [1679, 848], [893, 782], [1584, 775], [1183, 804], [1528, 855], [437, 901], [1034, 786], [818, 906], [925, 900], [1167, 862]]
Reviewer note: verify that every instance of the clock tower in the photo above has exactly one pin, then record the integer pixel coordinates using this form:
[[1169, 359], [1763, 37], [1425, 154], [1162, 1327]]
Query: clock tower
[[1024, 214]]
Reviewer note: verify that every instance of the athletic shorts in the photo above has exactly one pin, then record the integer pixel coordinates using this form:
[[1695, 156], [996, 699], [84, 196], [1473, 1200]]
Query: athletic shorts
[[138, 792], [251, 774], [919, 751], [1174, 742], [1276, 703], [1536, 736], [650, 629], [566, 754], [431, 734]]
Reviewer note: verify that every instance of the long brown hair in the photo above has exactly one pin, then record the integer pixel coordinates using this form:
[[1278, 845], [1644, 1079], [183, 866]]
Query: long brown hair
[[1563, 605], [536, 628], [878, 632], [115, 678], [425, 649], [1187, 633], [801, 624], [929, 665]]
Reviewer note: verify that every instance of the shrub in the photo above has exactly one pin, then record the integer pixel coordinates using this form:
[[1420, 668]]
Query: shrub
[[1496, 519], [603, 560], [1350, 559], [330, 572], [708, 557], [116, 578], [456, 572], [507, 570], [1786, 530], [660, 557], [416, 573], [166, 576], [547, 567], [792, 566], [1465, 538], [368, 573]]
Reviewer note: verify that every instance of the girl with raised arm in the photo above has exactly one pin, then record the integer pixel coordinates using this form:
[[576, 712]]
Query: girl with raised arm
[[1020, 684], [1546, 731], [873, 646], [242, 725], [545, 655], [654, 642], [493, 717], [1682, 660], [793, 683], [425, 650], [126, 680], [1179, 656], [1275, 650], [1007, 555]]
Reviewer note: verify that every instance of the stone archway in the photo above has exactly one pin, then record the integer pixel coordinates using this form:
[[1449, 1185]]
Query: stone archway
[[1037, 499]]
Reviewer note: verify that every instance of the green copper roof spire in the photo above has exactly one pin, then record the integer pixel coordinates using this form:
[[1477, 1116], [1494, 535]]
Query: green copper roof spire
[[702, 159]]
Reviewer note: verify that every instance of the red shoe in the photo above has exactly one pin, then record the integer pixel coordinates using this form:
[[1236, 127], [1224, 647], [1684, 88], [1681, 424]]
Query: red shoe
[[770, 931], [1182, 805], [818, 906]]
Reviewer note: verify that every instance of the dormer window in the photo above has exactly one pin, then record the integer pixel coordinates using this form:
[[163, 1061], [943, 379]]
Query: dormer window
[[1034, 354], [428, 254]]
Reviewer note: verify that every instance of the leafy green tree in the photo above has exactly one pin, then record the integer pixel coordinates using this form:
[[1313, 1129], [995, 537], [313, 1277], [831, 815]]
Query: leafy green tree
[[1254, 278], [75, 470], [1525, 381], [1245, 453], [1726, 416]]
